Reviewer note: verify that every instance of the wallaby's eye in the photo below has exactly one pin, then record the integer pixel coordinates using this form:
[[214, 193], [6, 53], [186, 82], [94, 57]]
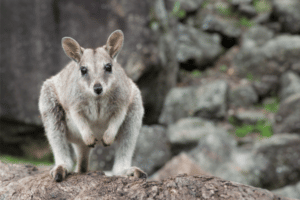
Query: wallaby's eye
[[83, 70], [108, 67]]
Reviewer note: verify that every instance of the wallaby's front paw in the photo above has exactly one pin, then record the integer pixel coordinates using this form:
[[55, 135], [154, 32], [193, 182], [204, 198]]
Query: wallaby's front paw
[[108, 139], [136, 172], [90, 140], [58, 173]]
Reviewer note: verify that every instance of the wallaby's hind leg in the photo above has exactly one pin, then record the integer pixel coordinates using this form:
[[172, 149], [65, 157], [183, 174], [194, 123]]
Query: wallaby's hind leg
[[82, 153], [126, 141], [53, 117]]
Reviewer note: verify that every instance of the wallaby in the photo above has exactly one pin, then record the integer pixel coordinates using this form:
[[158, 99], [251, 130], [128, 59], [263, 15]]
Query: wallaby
[[90, 100]]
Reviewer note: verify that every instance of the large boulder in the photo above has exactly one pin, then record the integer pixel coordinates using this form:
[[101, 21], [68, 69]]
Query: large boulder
[[273, 57], [189, 130], [243, 95], [288, 115], [291, 191], [208, 101], [197, 46], [288, 14]]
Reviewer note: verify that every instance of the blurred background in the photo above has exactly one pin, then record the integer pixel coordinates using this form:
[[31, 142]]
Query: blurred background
[[219, 78]]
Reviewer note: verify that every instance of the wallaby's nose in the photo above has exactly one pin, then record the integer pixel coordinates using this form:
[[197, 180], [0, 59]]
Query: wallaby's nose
[[98, 88]]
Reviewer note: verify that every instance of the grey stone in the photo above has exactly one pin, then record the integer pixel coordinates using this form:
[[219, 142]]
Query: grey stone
[[273, 58], [240, 2], [291, 191], [290, 84], [189, 130], [288, 14], [243, 95], [198, 46], [102, 158], [208, 101], [247, 10], [214, 150], [288, 115], [250, 116], [266, 85], [256, 36], [277, 160], [152, 149], [213, 23], [189, 5]]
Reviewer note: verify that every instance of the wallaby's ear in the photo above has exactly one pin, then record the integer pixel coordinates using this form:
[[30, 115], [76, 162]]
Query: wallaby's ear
[[72, 48], [114, 43]]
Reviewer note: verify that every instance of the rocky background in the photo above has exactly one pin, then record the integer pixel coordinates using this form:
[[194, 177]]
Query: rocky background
[[220, 82]]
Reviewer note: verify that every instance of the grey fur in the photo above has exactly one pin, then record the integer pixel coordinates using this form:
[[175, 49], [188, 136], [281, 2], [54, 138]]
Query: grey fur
[[73, 113]]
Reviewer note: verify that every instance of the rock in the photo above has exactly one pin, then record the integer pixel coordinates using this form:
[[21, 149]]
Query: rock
[[273, 58], [267, 85], [250, 116], [256, 36], [208, 101], [93, 185], [216, 24], [240, 2], [243, 95], [189, 130], [214, 150], [189, 5], [180, 164], [291, 191], [277, 160], [247, 10], [152, 149], [198, 46], [288, 115], [288, 14], [290, 84]]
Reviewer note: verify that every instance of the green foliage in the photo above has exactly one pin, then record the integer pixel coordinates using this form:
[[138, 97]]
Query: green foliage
[[19, 160], [179, 13], [224, 10], [223, 68], [196, 73], [262, 5], [272, 106], [263, 127], [250, 77], [245, 22]]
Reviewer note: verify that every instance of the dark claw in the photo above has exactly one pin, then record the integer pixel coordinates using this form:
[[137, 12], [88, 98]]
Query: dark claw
[[104, 144], [58, 177], [91, 145]]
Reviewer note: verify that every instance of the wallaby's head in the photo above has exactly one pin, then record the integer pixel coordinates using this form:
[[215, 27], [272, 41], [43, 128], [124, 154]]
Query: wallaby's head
[[95, 67]]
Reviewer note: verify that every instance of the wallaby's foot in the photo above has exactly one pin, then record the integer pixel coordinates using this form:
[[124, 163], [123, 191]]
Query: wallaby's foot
[[58, 173], [90, 140], [108, 139], [135, 172]]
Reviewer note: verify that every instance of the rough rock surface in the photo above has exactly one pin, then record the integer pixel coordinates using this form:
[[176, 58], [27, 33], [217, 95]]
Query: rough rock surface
[[95, 185], [273, 58], [288, 14], [198, 46], [189, 130], [288, 115], [180, 164], [243, 95], [208, 101], [290, 84], [291, 191]]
